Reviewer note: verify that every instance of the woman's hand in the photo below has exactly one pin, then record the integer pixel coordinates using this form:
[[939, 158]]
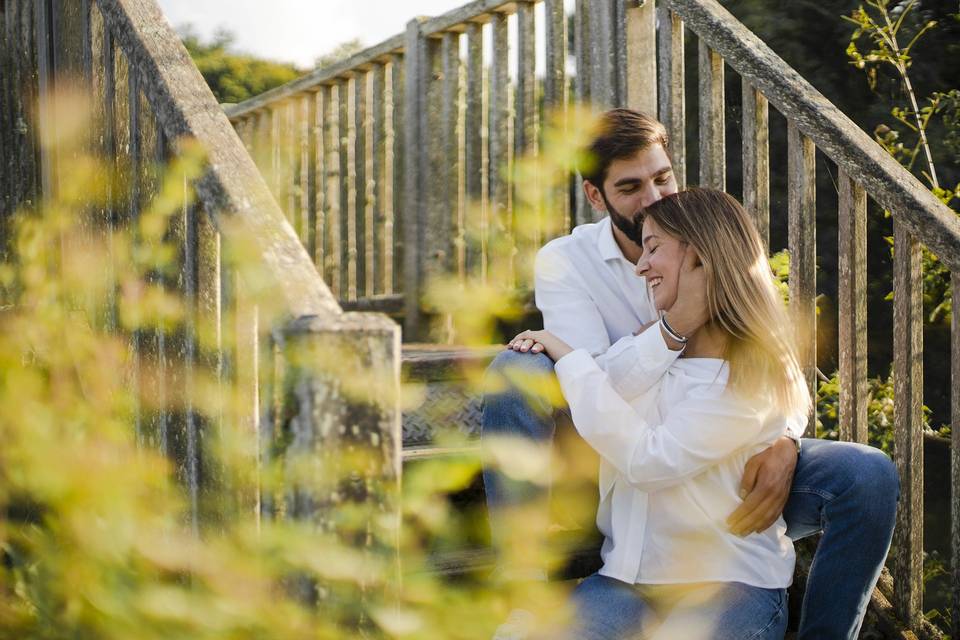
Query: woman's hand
[[540, 341]]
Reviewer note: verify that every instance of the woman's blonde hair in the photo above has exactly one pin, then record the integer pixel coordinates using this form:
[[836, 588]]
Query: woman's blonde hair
[[742, 296]]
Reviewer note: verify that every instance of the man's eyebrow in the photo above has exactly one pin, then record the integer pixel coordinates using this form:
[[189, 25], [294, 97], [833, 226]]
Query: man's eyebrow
[[659, 172]]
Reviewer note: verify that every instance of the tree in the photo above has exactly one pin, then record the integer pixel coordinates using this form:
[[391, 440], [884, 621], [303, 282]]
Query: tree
[[234, 76]]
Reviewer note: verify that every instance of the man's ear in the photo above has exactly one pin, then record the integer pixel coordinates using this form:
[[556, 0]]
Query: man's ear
[[593, 196]]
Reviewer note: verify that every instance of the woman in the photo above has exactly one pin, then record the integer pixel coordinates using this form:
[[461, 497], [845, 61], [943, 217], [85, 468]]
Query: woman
[[672, 458]]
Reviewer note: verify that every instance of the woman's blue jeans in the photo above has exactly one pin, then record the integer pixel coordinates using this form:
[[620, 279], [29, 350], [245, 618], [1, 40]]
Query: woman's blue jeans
[[607, 609], [846, 491]]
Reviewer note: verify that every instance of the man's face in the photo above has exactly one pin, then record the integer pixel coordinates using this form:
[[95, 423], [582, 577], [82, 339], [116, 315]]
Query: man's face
[[634, 183]]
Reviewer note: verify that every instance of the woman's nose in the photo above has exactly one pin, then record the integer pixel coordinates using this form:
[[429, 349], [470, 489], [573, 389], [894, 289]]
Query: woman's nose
[[641, 266]]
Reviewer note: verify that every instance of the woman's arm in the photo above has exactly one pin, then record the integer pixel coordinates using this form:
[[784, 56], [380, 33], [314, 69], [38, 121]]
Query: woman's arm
[[699, 431]]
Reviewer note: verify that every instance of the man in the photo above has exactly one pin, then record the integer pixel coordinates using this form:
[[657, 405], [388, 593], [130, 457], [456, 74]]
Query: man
[[590, 297]]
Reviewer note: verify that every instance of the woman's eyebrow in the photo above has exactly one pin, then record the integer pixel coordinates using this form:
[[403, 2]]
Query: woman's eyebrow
[[649, 237]]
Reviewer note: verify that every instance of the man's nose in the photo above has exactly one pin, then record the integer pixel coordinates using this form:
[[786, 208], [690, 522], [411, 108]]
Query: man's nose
[[650, 195]]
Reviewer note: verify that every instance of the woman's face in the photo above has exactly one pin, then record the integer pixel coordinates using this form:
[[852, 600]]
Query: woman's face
[[660, 263]]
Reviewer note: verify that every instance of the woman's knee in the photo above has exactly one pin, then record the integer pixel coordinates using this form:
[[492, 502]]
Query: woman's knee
[[509, 361]]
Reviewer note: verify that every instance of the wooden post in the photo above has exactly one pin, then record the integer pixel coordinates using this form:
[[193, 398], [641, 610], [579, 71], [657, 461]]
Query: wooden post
[[712, 128], [852, 316], [474, 223], [756, 159], [640, 65], [671, 91], [413, 196], [330, 215], [348, 265], [397, 123], [378, 179], [361, 193], [308, 173], [801, 187], [344, 374], [955, 448], [499, 240], [526, 231], [908, 422], [555, 97], [602, 62]]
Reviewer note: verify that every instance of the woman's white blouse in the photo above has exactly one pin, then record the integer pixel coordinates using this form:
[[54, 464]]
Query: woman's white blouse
[[671, 464]]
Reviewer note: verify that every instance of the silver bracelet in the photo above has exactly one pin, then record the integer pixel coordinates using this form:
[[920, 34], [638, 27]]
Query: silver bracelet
[[670, 332]]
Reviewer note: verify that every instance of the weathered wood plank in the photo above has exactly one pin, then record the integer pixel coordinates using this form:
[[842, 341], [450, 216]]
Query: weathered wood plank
[[499, 240], [378, 179], [555, 98], [415, 76], [955, 448], [247, 380], [834, 133], [852, 315], [479, 11], [802, 241], [671, 91], [6, 126], [308, 173], [395, 243], [289, 162], [756, 159], [712, 129], [581, 50], [45, 127], [602, 54], [232, 185], [908, 421], [441, 157], [348, 203], [528, 232], [27, 124], [641, 51], [360, 187], [473, 152], [331, 203]]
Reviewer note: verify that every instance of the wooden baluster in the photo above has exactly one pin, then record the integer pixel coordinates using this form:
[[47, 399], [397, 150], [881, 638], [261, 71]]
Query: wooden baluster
[[555, 101], [378, 178], [528, 232], [308, 173], [908, 422], [852, 315], [474, 224], [395, 239], [329, 222], [415, 77], [360, 188], [712, 128], [499, 239], [348, 267], [290, 162], [442, 157], [756, 159], [190, 473], [671, 91], [640, 61], [602, 43], [955, 448], [247, 380], [6, 128], [801, 187]]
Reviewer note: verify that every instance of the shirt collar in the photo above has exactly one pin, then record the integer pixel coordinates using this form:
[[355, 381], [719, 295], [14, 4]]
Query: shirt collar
[[606, 243]]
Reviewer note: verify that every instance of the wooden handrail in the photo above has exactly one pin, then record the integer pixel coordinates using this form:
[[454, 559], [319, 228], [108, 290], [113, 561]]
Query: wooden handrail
[[232, 185], [831, 130]]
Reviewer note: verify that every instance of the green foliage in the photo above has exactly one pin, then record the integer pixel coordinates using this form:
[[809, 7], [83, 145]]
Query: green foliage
[[231, 75], [886, 27]]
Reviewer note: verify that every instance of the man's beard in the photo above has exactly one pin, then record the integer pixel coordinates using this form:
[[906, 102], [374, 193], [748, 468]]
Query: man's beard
[[622, 222]]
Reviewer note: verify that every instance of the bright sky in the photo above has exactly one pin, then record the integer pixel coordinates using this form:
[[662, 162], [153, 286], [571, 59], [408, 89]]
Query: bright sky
[[299, 31]]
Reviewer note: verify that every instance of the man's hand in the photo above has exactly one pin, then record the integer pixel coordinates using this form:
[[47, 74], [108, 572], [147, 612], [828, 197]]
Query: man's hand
[[765, 488], [689, 312]]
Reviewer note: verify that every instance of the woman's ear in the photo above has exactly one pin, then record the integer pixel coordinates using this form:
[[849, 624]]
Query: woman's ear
[[691, 259]]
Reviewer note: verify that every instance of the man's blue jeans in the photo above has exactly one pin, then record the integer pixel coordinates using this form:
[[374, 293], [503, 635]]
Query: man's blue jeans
[[846, 491]]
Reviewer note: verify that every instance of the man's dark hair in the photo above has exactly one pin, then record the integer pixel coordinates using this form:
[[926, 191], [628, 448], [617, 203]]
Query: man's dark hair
[[618, 134]]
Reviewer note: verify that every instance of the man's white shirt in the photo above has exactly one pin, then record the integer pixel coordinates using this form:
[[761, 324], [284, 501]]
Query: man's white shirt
[[619, 386]]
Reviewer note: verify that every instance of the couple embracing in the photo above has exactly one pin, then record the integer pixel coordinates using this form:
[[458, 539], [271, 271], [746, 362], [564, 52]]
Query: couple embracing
[[679, 367]]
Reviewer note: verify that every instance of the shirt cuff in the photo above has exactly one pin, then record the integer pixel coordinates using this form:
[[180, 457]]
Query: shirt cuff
[[573, 365]]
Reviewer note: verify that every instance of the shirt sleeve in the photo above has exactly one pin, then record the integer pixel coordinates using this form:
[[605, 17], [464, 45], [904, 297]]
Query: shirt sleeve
[[699, 431], [635, 363], [569, 312]]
